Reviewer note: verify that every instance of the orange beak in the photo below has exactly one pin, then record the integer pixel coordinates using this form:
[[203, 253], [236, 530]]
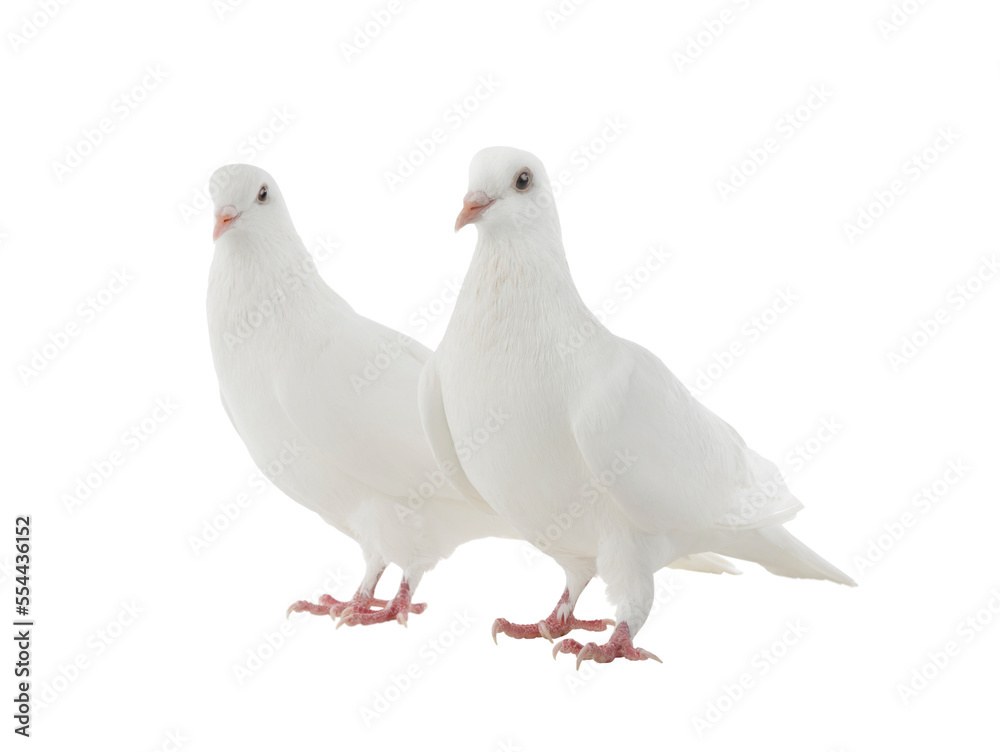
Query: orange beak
[[474, 204], [224, 219]]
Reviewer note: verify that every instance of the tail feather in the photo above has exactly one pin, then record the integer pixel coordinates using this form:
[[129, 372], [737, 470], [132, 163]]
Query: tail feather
[[710, 563], [780, 552]]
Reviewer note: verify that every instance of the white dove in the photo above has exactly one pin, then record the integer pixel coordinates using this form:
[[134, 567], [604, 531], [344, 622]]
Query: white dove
[[605, 461], [326, 401]]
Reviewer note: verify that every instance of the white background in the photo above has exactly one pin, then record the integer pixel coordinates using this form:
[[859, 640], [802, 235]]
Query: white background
[[132, 203]]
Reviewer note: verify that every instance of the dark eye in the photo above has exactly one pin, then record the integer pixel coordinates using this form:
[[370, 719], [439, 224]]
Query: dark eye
[[523, 181], [262, 194]]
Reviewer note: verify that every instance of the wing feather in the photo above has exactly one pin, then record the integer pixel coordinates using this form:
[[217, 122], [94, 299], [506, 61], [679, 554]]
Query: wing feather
[[667, 460]]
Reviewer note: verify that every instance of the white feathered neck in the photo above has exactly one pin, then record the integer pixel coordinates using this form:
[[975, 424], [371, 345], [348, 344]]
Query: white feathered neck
[[519, 293], [267, 282]]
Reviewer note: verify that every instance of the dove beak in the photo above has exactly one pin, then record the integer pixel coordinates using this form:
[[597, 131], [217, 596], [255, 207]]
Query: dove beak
[[474, 204], [224, 219]]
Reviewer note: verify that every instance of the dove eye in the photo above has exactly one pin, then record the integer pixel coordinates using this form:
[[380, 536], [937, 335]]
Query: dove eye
[[523, 180], [262, 194]]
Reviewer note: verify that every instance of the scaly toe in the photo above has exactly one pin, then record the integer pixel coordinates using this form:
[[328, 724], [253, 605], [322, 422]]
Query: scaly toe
[[543, 630], [566, 646], [591, 651]]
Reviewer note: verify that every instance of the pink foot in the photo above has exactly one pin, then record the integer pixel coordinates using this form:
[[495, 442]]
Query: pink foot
[[399, 608], [619, 646], [560, 622], [330, 606]]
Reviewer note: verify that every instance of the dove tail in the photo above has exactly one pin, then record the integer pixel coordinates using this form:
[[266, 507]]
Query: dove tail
[[781, 553], [709, 563]]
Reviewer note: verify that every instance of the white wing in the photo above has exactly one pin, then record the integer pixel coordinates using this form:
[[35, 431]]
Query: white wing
[[438, 432], [668, 461], [355, 402]]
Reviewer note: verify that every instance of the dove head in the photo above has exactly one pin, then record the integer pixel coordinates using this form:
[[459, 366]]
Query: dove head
[[509, 191], [247, 203]]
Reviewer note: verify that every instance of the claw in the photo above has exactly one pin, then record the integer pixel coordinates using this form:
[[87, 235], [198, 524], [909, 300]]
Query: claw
[[588, 651], [543, 630], [647, 654], [347, 612], [609, 622], [496, 628]]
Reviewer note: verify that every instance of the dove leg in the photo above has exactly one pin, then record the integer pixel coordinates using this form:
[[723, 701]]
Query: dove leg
[[398, 609], [561, 621], [330, 606], [619, 646], [623, 565]]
